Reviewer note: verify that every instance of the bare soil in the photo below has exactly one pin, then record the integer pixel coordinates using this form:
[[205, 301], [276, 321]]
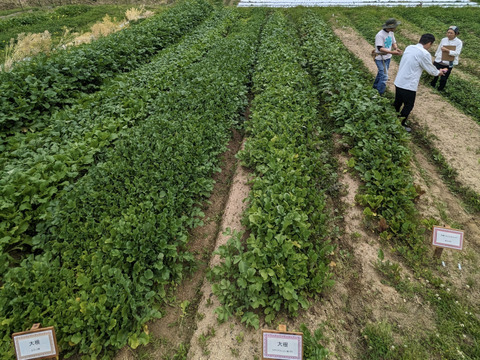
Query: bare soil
[[359, 296]]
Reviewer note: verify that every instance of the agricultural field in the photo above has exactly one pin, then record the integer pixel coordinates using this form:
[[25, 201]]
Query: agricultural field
[[169, 190]]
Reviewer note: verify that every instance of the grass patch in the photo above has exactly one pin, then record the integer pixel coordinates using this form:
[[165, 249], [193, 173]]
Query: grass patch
[[457, 328]]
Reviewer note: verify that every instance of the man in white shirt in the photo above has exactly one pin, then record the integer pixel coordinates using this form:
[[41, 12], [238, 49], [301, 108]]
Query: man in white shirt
[[415, 59], [384, 43]]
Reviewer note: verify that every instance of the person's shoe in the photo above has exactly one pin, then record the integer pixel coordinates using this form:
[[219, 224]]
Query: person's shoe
[[432, 84], [407, 129]]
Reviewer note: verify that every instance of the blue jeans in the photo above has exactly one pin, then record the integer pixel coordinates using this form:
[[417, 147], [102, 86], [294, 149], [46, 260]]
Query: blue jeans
[[380, 82]]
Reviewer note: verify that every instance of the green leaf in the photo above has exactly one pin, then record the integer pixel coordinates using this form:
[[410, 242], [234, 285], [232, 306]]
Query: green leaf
[[381, 255], [82, 280], [76, 338], [148, 274]]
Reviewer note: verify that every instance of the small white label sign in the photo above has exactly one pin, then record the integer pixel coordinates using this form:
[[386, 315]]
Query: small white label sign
[[35, 345], [447, 238], [282, 346]]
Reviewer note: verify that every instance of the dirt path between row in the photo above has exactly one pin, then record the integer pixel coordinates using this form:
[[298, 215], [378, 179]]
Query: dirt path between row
[[212, 340], [457, 136]]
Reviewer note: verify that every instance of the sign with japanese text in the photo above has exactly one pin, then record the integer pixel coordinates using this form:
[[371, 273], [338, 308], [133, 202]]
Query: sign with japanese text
[[447, 238], [282, 345], [36, 344]]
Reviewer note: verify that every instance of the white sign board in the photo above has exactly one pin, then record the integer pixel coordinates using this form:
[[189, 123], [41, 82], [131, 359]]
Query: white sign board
[[447, 238], [35, 344], [277, 345]]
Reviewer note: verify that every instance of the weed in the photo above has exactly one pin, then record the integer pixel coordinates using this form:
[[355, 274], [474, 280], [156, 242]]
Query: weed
[[203, 340], [240, 337], [134, 14], [184, 306], [235, 352], [313, 348], [356, 236], [378, 338], [181, 353]]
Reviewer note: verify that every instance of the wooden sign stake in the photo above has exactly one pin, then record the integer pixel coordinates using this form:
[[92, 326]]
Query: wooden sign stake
[[438, 252]]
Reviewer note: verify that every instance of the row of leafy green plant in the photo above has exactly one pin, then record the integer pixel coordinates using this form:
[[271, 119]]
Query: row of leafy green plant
[[284, 261], [10, 11], [37, 167], [380, 156], [76, 18], [113, 243], [462, 93], [378, 143], [35, 89]]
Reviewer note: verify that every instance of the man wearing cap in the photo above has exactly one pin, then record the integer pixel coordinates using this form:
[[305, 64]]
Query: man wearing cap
[[415, 59], [384, 43], [449, 47]]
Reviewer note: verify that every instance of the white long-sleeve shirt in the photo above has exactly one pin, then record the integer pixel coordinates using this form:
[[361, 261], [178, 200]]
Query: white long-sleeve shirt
[[415, 59], [458, 48]]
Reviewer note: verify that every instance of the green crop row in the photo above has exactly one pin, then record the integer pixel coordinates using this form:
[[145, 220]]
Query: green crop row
[[38, 166], [284, 260], [370, 127], [35, 89], [114, 242]]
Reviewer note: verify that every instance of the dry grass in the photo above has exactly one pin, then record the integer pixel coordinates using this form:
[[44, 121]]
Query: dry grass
[[104, 28], [109, 26], [33, 44], [134, 14], [27, 45]]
